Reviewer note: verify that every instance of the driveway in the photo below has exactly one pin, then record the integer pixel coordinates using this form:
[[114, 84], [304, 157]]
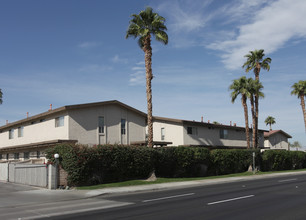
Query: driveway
[[6, 188]]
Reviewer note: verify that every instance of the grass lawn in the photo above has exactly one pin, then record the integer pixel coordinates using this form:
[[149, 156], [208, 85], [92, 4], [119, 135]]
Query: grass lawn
[[168, 180]]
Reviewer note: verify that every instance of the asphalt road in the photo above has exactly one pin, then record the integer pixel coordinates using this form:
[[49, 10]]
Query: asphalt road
[[273, 198]]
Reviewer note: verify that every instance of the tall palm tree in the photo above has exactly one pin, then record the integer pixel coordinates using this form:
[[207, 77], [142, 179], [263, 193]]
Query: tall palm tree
[[299, 89], [240, 87], [144, 25], [270, 121], [256, 62], [254, 88], [1, 96]]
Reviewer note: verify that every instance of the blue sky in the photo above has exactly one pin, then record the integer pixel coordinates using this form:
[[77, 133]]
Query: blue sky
[[75, 51]]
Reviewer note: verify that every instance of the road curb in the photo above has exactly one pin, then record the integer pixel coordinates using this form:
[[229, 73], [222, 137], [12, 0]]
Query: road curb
[[183, 184]]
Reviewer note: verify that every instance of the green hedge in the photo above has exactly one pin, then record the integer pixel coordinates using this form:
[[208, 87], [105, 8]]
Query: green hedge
[[273, 160], [225, 161], [113, 163], [103, 164], [182, 162]]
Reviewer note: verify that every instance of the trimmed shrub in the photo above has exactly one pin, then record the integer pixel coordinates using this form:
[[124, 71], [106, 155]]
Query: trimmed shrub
[[182, 162], [112, 163], [298, 159], [102, 164], [226, 161], [273, 160]]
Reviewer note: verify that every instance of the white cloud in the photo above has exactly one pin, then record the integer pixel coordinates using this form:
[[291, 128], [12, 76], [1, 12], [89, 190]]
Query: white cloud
[[138, 77], [184, 17], [88, 45], [272, 27], [117, 59]]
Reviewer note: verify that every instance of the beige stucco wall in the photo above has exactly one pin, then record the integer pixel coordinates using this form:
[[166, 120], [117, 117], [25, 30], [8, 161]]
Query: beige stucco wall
[[277, 141], [210, 136], [84, 125], [173, 132], [176, 133], [38, 132]]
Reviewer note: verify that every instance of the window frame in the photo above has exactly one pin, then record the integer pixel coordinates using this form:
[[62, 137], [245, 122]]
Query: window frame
[[162, 134], [224, 134], [101, 125], [123, 126], [192, 130], [60, 121], [26, 155], [16, 156], [11, 133], [20, 131]]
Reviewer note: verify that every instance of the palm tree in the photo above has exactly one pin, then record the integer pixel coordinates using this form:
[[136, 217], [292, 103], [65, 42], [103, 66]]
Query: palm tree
[[1, 96], [270, 121], [256, 62], [254, 88], [299, 89], [144, 25], [240, 87], [296, 145]]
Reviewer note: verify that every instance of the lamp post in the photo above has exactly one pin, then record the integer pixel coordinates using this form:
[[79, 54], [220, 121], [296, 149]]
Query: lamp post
[[56, 156], [254, 163]]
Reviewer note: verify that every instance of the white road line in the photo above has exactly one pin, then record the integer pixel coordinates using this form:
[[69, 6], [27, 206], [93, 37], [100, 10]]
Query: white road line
[[169, 197], [229, 200], [280, 181]]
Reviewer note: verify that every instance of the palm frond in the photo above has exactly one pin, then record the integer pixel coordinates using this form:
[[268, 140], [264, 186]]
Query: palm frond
[[146, 23]]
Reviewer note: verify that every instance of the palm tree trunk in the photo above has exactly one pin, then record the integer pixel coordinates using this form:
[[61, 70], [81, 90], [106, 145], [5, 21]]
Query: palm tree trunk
[[303, 109], [148, 63], [246, 117], [256, 71], [254, 121]]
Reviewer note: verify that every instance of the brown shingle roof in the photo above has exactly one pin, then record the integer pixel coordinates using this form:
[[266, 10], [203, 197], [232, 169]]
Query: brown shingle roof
[[270, 133]]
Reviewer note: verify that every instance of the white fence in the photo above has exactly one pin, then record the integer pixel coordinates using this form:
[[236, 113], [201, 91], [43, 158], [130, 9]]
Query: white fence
[[3, 171], [28, 174], [40, 175]]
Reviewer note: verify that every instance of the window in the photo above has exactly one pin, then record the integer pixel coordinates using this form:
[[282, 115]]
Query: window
[[59, 121], [26, 155], [20, 131], [162, 134], [0, 156], [38, 154], [7, 156], [101, 124], [123, 122], [16, 156], [11, 133], [192, 130], [223, 134]]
